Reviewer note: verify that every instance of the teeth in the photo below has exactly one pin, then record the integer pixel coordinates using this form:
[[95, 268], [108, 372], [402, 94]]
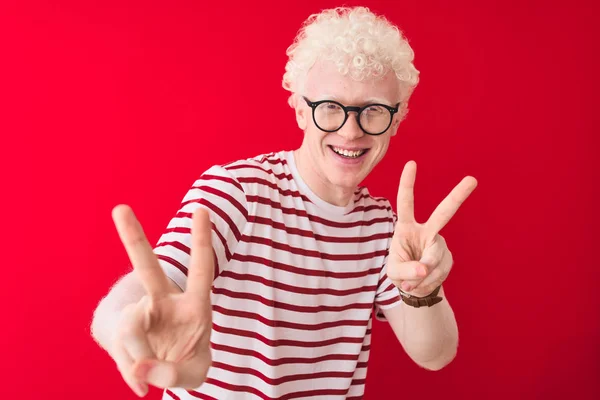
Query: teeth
[[347, 153]]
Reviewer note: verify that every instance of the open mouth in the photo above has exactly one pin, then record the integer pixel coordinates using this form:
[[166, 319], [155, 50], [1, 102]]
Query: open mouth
[[350, 154]]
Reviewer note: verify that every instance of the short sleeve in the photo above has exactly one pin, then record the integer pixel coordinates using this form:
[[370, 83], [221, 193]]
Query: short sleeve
[[387, 295], [219, 192]]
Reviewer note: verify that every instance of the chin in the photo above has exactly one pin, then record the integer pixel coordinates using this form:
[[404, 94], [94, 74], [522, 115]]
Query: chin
[[346, 181]]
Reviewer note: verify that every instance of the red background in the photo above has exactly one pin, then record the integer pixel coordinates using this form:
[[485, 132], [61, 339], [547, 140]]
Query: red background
[[110, 102]]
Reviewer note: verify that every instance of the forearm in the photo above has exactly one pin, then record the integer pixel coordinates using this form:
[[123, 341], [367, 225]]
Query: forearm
[[429, 335]]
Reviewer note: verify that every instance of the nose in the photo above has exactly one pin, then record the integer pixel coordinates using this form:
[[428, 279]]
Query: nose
[[351, 130]]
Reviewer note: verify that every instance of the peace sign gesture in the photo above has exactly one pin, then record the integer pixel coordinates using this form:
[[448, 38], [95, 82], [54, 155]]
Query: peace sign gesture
[[419, 260], [164, 339]]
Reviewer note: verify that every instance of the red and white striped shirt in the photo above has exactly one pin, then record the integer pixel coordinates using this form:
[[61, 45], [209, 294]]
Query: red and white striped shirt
[[296, 282]]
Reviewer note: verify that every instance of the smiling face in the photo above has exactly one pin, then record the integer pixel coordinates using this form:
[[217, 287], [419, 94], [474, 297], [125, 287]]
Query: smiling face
[[333, 164]]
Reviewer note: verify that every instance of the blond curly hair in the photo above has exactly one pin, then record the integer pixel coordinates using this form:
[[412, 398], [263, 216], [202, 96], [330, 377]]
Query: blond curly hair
[[362, 44]]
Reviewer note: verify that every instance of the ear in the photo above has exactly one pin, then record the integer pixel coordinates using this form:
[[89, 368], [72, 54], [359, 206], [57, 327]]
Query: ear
[[394, 127], [302, 113]]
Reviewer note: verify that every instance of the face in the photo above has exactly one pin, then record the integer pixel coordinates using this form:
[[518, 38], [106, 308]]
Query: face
[[321, 150]]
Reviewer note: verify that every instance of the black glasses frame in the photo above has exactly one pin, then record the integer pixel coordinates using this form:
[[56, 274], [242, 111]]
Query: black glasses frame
[[347, 109]]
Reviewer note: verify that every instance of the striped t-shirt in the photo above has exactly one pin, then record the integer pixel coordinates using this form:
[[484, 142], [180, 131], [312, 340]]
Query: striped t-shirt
[[297, 281]]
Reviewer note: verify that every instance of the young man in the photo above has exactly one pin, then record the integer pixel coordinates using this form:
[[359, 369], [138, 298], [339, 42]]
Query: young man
[[265, 281]]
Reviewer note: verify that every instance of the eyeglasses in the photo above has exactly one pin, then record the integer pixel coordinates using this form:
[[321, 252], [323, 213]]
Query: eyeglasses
[[373, 119]]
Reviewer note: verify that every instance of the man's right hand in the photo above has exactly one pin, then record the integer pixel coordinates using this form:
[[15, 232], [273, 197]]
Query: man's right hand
[[164, 339]]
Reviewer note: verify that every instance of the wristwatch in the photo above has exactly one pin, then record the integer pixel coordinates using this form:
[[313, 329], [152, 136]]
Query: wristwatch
[[414, 301]]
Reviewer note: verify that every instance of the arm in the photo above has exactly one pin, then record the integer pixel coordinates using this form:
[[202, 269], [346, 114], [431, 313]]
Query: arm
[[157, 334], [222, 195], [418, 262], [429, 335]]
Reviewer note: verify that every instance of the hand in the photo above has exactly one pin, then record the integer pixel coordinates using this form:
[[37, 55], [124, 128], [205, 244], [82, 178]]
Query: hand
[[419, 259], [164, 339]]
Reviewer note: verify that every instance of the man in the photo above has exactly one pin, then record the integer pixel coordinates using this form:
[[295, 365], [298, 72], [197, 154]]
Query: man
[[265, 281]]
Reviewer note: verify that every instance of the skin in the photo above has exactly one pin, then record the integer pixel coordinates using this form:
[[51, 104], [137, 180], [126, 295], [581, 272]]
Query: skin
[[323, 173], [164, 338], [335, 182], [419, 259], [159, 335]]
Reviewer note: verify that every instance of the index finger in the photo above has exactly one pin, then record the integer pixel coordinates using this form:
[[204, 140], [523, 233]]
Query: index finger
[[450, 205], [405, 202], [201, 271], [144, 261]]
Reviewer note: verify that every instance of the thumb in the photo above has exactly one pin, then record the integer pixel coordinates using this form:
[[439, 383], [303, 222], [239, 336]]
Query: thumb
[[164, 374], [161, 374], [408, 270]]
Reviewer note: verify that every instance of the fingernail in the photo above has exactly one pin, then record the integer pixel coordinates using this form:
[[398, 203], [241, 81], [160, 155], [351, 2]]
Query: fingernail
[[142, 371], [421, 271], [405, 286]]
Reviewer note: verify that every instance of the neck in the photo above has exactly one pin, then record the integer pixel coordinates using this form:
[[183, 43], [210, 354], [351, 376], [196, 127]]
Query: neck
[[325, 190]]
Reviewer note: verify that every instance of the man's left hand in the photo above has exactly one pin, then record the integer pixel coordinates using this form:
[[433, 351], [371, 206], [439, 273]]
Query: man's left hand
[[419, 259]]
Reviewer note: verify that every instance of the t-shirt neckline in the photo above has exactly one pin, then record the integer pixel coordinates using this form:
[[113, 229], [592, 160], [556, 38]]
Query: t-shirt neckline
[[304, 189]]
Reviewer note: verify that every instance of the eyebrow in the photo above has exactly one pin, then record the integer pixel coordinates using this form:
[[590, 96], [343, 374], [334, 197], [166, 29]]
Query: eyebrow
[[370, 100]]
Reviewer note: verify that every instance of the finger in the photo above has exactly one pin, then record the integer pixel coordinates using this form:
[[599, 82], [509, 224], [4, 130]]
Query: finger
[[436, 277], [434, 252], [140, 253], [406, 199], [432, 258], [125, 366], [164, 374], [200, 274], [409, 270], [450, 205], [133, 334]]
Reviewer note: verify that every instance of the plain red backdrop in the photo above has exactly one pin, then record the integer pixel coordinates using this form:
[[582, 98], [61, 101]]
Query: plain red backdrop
[[128, 102]]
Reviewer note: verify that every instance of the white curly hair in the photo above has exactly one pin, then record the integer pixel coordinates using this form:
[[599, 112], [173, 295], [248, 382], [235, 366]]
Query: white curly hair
[[361, 44]]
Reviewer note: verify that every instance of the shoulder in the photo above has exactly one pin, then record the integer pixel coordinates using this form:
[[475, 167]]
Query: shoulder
[[366, 199], [261, 165], [270, 169], [375, 206], [251, 175]]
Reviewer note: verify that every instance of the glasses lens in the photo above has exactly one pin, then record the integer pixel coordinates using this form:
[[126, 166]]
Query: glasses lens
[[329, 116], [375, 119]]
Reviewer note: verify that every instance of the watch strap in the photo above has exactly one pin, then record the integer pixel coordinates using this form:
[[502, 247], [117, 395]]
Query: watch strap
[[427, 301]]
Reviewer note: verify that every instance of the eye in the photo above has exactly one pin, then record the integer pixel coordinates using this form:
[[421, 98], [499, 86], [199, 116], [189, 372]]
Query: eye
[[374, 110], [330, 108]]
